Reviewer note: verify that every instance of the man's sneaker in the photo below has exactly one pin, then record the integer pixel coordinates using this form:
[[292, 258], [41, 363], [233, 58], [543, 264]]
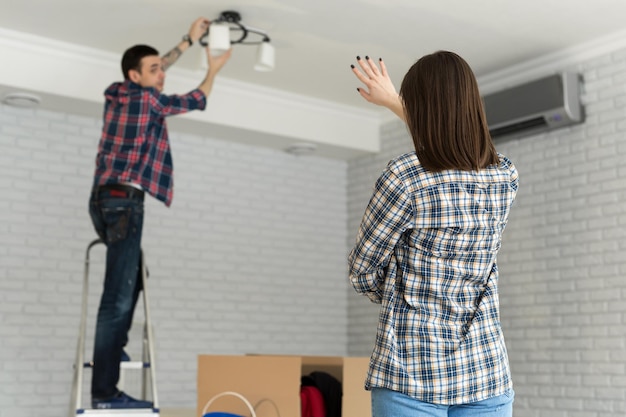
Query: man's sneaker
[[120, 400]]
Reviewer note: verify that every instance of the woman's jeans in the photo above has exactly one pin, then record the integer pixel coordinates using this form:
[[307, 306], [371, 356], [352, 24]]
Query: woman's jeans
[[387, 403], [117, 216]]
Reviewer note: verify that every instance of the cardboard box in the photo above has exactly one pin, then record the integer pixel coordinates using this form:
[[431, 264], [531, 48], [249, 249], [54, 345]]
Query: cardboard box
[[277, 378]]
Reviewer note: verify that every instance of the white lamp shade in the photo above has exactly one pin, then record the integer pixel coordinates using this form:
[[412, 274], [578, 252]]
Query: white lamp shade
[[265, 57], [219, 38]]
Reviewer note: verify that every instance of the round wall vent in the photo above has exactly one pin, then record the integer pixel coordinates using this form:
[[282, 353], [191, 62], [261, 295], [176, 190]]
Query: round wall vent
[[19, 99], [304, 148]]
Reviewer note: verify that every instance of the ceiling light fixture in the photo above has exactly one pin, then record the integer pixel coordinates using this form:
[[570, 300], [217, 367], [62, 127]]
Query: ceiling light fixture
[[220, 40], [21, 99]]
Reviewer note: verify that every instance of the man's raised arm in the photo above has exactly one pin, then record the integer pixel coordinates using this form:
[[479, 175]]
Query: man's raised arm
[[197, 29]]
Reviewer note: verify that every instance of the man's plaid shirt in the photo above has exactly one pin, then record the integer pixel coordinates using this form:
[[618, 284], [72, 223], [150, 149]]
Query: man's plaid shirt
[[134, 146], [426, 251]]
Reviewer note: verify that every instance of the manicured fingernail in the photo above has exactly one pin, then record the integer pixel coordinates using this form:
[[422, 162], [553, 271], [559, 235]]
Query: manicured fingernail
[[358, 89], [358, 58], [367, 57], [380, 59], [351, 66]]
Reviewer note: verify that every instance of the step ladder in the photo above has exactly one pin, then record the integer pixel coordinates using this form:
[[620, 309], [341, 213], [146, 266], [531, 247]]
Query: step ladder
[[145, 366]]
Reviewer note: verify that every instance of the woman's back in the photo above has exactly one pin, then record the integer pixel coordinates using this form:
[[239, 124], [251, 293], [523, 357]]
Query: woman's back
[[427, 245], [426, 250]]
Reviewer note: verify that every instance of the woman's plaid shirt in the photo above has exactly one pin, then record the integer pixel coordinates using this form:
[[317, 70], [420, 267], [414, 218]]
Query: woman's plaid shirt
[[426, 251]]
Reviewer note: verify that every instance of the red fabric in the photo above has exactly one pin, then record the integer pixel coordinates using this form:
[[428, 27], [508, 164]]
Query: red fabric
[[312, 402]]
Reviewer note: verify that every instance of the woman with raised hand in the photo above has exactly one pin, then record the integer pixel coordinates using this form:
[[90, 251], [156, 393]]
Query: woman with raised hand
[[427, 244]]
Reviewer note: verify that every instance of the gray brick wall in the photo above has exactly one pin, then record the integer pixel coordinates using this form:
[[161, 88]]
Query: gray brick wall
[[563, 260], [250, 258]]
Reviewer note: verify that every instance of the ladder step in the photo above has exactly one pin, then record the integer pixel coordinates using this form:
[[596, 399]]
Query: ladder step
[[125, 365], [126, 412], [134, 365]]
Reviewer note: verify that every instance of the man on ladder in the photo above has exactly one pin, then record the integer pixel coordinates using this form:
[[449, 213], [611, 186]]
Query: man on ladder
[[133, 156]]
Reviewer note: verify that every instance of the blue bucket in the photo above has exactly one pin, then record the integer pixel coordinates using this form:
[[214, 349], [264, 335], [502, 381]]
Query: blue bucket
[[220, 414]]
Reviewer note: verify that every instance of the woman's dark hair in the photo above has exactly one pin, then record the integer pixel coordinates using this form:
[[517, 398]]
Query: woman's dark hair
[[445, 114], [133, 56]]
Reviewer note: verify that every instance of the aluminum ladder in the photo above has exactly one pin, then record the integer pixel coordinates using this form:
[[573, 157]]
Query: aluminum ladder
[[146, 365]]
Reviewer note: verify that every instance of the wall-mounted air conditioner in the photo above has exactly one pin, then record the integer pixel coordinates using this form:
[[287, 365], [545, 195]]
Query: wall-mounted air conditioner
[[544, 104]]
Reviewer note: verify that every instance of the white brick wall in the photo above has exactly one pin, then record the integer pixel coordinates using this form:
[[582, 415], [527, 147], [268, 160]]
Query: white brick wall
[[563, 260], [249, 259]]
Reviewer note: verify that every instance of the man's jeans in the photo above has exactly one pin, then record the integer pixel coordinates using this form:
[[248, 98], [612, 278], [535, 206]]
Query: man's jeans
[[118, 219]]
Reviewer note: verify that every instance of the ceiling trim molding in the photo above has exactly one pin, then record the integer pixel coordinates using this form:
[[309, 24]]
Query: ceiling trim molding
[[544, 65], [551, 63], [69, 71]]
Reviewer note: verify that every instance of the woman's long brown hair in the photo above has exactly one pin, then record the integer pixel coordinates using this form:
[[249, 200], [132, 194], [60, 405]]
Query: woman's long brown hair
[[445, 114]]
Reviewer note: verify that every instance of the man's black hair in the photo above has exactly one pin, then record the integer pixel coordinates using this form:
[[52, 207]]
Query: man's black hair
[[133, 56]]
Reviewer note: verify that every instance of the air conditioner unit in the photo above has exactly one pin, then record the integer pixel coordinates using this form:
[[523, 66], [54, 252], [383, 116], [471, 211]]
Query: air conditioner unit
[[548, 103]]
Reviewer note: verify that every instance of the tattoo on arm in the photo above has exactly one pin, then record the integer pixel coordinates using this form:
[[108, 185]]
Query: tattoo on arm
[[171, 57]]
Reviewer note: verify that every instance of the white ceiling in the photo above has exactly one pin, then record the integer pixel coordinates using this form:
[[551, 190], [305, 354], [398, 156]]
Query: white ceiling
[[317, 40]]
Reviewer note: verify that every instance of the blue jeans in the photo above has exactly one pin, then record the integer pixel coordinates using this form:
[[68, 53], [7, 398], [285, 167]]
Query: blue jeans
[[387, 403], [118, 219]]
